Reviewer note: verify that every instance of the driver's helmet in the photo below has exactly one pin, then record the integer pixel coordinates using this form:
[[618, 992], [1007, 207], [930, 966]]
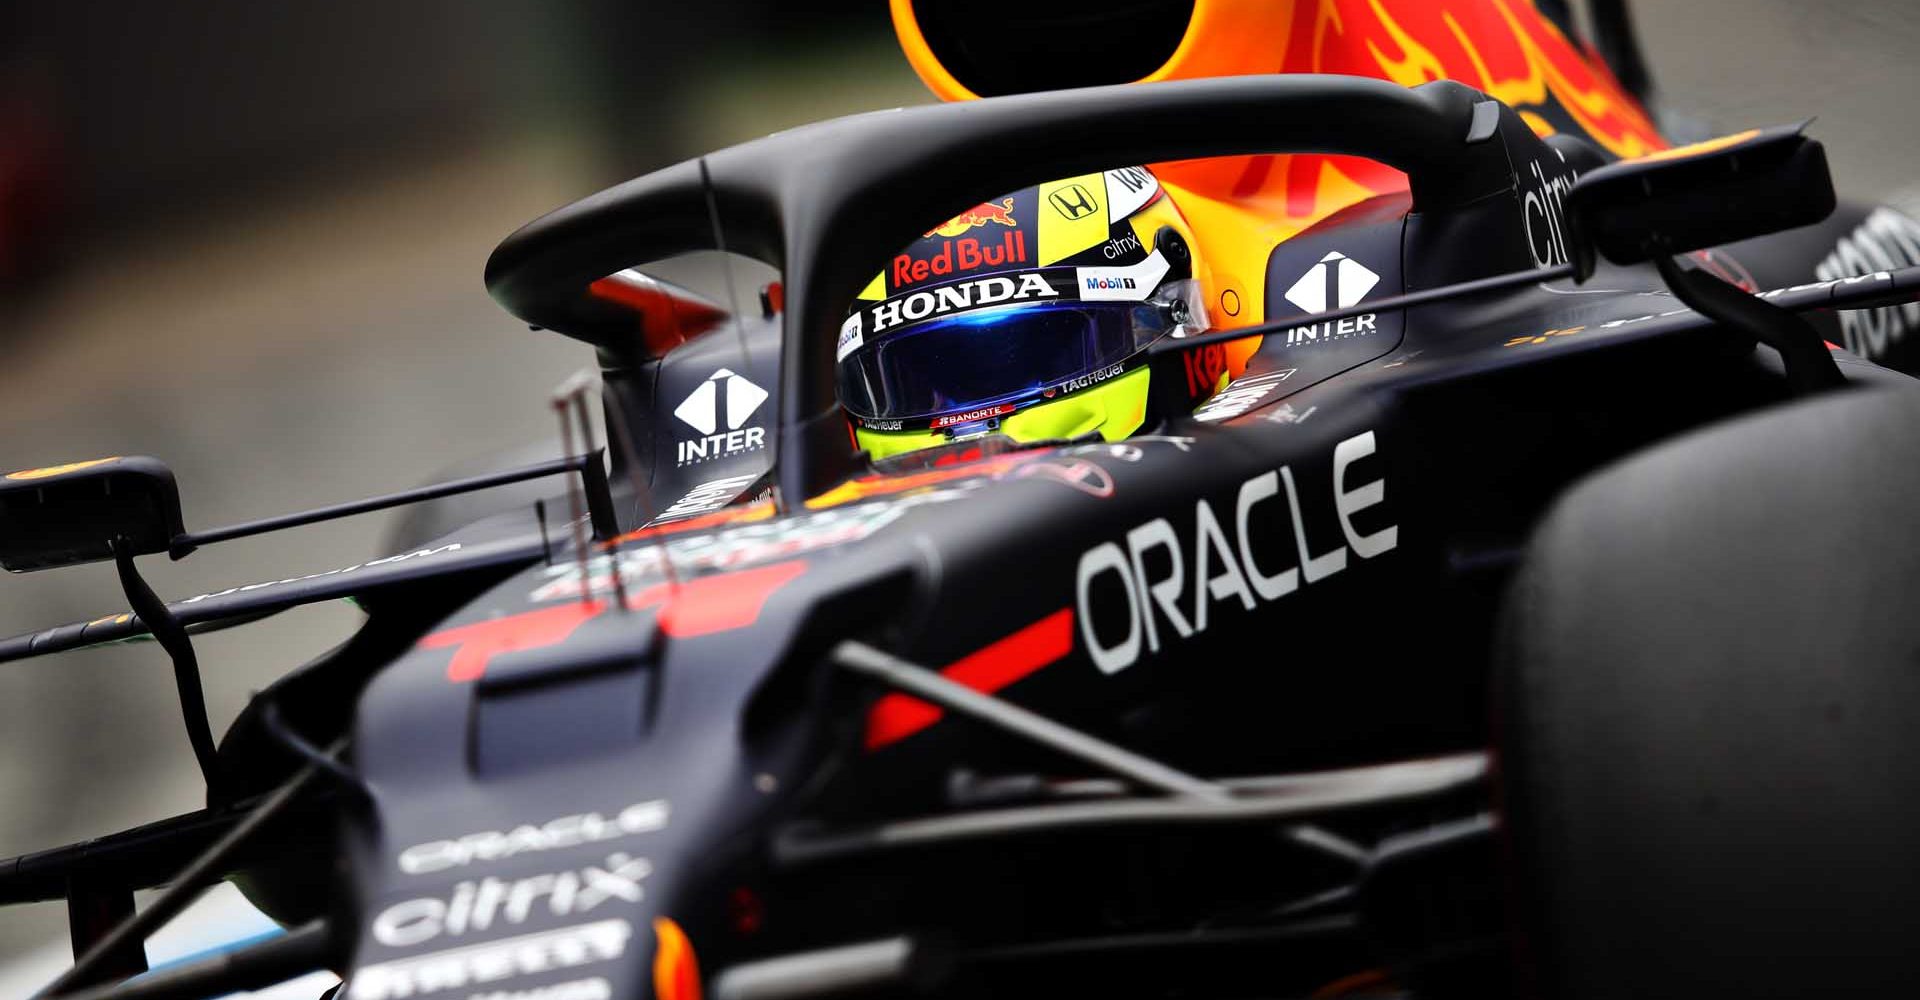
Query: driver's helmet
[[1027, 316]]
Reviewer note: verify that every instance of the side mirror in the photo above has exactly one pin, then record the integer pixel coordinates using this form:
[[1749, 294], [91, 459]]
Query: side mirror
[[1719, 191], [69, 514]]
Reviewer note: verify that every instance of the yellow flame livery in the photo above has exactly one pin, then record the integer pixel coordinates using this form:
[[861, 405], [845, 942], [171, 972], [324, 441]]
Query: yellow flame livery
[[1241, 206]]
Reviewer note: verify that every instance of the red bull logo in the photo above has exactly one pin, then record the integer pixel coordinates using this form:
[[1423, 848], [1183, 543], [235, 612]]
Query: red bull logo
[[979, 215], [960, 257]]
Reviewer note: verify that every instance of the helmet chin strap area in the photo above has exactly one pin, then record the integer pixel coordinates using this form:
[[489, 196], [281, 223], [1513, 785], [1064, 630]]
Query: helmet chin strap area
[[1113, 407]]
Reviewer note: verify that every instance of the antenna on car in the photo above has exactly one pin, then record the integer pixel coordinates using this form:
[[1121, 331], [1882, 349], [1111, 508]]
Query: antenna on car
[[575, 390], [571, 395], [573, 499]]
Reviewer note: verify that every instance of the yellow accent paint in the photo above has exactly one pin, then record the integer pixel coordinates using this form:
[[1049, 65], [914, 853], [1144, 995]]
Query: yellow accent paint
[[1420, 65], [1061, 237], [1542, 338], [1699, 148], [55, 470], [1584, 107], [1540, 126], [876, 289], [1115, 409]]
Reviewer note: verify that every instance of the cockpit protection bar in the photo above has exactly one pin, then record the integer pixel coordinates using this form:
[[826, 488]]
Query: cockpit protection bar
[[824, 202]]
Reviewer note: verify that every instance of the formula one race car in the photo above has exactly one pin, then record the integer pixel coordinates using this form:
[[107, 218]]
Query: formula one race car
[[1499, 583]]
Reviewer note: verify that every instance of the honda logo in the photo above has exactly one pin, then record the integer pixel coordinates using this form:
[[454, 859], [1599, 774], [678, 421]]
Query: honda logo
[[1074, 202], [1337, 282]]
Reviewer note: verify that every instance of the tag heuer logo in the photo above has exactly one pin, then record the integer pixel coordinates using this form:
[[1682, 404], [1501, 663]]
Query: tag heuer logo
[[722, 395], [1074, 201], [1337, 282]]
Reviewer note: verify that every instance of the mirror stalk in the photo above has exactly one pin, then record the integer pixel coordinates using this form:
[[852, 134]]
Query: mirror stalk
[[172, 637], [1810, 368]]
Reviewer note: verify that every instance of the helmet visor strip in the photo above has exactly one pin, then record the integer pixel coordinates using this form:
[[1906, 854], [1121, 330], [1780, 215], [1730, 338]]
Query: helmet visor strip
[[912, 373]]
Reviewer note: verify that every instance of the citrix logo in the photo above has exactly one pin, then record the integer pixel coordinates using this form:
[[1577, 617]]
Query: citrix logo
[[703, 408], [1545, 201], [474, 906], [1125, 243]]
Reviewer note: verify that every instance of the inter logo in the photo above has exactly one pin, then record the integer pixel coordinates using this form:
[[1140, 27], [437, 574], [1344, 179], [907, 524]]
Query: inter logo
[[1337, 282], [727, 395]]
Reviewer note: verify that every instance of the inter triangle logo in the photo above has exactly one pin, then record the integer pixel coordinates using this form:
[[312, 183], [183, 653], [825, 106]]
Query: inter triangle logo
[[1336, 279], [720, 409], [698, 409], [722, 393]]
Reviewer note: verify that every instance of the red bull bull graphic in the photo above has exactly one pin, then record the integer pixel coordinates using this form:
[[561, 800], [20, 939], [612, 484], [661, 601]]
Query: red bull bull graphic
[[978, 215]]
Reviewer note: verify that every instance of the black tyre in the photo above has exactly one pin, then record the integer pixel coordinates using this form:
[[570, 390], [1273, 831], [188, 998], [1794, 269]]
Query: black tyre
[[1710, 713]]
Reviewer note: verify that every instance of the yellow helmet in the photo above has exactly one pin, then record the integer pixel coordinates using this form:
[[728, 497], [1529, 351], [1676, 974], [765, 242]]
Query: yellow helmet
[[1028, 316]]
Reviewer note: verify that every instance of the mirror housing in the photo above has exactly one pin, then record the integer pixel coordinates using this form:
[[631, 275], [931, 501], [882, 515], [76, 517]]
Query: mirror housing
[[64, 515], [1732, 188]]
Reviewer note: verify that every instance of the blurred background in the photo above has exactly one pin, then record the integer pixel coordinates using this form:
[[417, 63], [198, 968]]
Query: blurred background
[[247, 238]]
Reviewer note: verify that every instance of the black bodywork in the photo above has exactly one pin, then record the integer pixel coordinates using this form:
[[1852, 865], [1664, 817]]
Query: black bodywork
[[1288, 602]]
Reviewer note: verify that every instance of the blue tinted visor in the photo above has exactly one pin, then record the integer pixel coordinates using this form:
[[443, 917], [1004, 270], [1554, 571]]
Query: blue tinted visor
[[995, 355]]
